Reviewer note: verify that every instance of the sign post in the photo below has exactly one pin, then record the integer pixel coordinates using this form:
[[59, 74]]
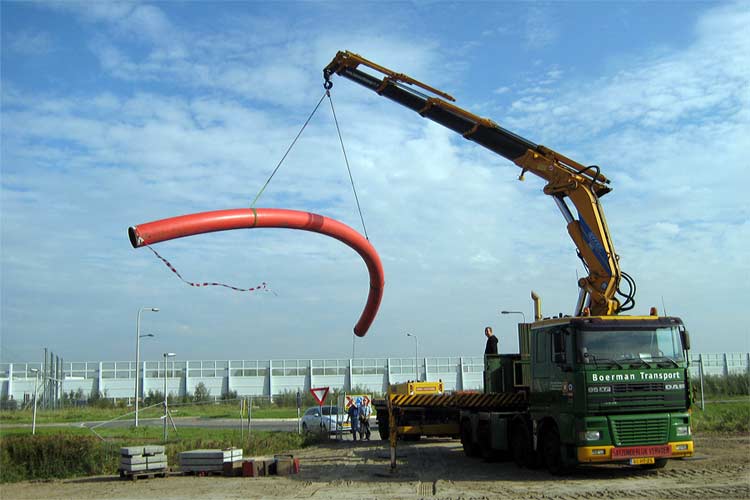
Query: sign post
[[320, 394], [299, 405]]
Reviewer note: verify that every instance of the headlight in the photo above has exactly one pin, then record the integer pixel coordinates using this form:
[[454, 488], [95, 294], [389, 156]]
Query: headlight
[[682, 430], [589, 435]]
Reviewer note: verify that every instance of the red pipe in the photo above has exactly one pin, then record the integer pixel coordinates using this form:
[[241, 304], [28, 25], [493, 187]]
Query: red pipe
[[247, 218]]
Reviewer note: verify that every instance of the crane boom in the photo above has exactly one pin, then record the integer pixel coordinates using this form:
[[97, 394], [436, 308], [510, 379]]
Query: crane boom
[[566, 178]]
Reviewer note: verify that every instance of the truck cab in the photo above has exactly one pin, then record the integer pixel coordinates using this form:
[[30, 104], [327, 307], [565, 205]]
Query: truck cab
[[607, 389]]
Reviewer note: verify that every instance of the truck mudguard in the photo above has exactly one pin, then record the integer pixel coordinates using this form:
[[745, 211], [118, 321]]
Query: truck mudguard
[[248, 218]]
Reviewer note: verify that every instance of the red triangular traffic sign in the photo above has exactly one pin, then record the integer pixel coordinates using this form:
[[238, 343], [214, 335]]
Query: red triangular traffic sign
[[319, 393]]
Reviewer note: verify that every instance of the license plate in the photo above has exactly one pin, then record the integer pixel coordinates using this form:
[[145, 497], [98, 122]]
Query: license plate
[[642, 461]]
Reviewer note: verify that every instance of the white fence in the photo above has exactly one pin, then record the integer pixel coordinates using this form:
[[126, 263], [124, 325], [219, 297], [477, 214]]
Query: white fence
[[116, 379]]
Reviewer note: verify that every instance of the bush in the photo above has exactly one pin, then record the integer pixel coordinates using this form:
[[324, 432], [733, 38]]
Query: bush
[[229, 396], [56, 456], [734, 384], [202, 393], [153, 397]]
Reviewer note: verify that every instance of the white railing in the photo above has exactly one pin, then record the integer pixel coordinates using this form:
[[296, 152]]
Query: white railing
[[115, 379]]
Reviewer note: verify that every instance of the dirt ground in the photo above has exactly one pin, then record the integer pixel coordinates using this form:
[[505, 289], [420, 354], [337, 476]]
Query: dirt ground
[[431, 469]]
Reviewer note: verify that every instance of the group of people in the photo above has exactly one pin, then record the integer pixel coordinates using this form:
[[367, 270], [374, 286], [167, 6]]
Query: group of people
[[359, 412], [359, 417]]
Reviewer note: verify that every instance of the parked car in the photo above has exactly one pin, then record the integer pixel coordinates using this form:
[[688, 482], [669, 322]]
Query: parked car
[[332, 420]]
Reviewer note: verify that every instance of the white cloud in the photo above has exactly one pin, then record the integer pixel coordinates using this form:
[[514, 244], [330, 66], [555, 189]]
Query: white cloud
[[185, 127]]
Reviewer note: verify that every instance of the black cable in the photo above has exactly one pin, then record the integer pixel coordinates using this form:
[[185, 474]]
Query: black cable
[[346, 160], [629, 302], [252, 205]]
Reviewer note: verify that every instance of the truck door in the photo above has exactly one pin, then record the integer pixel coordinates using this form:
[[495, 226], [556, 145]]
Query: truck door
[[562, 382], [561, 367], [540, 360]]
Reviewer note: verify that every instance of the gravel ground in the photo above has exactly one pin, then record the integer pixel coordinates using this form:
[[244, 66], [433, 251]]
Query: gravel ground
[[431, 469]]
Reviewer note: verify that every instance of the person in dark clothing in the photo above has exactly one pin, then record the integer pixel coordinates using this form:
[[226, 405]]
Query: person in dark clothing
[[491, 347], [353, 413]]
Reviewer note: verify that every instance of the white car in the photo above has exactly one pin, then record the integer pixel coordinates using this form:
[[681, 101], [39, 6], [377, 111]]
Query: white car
[[332, 420]]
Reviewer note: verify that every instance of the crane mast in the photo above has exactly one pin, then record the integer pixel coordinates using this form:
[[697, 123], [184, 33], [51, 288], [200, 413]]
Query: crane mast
[[566, 178]]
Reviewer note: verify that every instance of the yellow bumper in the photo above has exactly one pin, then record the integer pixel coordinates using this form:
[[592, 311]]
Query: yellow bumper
[[598, 454]]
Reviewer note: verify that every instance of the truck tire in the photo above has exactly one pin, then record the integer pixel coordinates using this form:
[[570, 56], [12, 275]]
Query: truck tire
[[471, 449], [520, 446], [383, 429], [551, 454], [485, 442]]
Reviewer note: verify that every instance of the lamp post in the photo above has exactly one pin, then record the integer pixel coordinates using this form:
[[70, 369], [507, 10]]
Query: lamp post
[[515, 312], [166, 414], [416, 354], [138, 355], [36, 387]]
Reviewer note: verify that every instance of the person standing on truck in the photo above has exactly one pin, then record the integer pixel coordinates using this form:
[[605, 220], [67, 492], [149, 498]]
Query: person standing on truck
[[491, 346]]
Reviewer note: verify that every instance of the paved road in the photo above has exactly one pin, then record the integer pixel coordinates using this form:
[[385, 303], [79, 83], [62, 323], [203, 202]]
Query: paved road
[[261, 424]]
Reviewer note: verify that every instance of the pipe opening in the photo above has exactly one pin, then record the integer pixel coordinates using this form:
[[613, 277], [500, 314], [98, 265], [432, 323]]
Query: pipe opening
[[133, 236]]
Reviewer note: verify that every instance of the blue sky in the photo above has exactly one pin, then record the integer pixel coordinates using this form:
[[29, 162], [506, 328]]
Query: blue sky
[[115, 114]]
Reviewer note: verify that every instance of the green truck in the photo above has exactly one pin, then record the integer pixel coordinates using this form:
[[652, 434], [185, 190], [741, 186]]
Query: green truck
[[597, 390], [594, 387]]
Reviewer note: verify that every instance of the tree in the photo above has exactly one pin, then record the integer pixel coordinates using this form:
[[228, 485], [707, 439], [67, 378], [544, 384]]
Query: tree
[[202, 393]]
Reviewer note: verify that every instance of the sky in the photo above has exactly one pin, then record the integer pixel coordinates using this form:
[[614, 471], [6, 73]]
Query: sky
[[116, 114]]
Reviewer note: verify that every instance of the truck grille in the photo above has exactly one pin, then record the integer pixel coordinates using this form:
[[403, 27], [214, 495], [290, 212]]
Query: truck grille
[[638, 398], [629, 432], [638, 387]]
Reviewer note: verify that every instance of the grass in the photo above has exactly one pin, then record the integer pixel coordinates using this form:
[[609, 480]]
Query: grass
[[73, 451], [93, 414], [731, 416]]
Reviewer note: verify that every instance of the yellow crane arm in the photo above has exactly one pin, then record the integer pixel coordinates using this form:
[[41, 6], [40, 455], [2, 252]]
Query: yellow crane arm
[[565, 178]]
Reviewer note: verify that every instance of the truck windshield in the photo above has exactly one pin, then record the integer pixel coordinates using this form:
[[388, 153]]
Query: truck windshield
[[618, 346]]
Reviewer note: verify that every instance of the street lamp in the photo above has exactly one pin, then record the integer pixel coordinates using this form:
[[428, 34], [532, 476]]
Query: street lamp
[[515, 312], [416, 354], [138, 354], [36, 387], [166, 355]]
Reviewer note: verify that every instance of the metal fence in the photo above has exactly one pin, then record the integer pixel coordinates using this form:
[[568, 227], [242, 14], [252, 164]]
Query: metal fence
[[116, 379]]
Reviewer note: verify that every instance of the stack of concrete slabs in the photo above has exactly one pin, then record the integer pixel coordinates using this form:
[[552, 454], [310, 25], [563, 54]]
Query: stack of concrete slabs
[[208, 460], [135, 460]]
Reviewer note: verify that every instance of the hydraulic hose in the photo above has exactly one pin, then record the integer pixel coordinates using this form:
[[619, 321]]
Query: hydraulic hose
[[248, 218]]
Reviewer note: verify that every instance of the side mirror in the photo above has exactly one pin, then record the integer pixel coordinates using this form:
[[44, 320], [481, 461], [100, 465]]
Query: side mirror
[[685, 338]]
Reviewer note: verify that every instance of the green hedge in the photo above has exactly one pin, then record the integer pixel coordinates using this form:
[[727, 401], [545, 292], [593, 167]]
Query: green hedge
[[55, 456], [62, 453]]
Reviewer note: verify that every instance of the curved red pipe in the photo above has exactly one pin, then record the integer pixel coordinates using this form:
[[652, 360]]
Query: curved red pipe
[[248, 218]]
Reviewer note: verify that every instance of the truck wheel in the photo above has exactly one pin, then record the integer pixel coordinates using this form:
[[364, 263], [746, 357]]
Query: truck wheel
[[485, 443], [470, 447], [520, 446], [383, 429], [659, 463], [551, 454]]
